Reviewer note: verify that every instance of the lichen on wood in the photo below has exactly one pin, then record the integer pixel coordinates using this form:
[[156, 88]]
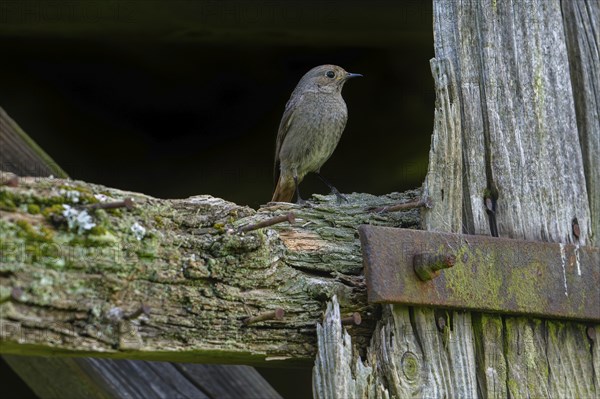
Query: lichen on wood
[[511, 155], [179, 285]]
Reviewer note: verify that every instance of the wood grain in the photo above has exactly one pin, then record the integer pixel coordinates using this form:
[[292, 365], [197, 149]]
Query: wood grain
[[516, 126]]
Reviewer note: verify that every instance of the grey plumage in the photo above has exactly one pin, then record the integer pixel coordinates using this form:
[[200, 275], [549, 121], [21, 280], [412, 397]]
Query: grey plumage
[[313, 122]]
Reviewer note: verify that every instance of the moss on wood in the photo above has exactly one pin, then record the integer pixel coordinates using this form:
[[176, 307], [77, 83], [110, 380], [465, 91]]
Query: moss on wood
[[70, 291]]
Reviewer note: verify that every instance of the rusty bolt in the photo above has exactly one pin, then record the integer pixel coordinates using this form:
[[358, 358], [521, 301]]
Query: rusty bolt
[[126, 203], [427, 265], [441, 323], [276, 314], [355, 320], [575, 227], [290, 218]]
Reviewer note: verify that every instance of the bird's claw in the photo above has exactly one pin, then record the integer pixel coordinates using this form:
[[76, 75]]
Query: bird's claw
[[340, 197]]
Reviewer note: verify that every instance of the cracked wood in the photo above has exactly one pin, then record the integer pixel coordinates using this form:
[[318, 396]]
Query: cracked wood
[[196, 276]]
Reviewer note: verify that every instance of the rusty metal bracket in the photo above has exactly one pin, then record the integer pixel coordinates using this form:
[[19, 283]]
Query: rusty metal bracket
[[481, 273]]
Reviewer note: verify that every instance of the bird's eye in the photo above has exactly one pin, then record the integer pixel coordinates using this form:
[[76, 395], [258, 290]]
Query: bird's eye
[[330, 74]]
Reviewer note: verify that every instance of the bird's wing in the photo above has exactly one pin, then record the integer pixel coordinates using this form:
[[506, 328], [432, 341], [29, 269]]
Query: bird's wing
[[284, 127]]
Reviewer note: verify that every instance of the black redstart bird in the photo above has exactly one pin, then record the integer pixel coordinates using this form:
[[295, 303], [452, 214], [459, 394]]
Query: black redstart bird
[[310, 129]]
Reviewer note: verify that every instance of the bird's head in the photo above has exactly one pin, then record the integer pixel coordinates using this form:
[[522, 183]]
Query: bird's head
[[326, 78]]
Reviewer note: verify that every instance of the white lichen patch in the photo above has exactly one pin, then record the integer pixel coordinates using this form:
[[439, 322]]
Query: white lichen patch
[[115, 314], [78, 220], [138, 230], [71, 195], [577, 261], [563, 261]]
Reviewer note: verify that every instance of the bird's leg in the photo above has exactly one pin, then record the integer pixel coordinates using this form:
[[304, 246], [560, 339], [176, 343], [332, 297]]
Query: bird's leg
[[299, 199], [334, 190]]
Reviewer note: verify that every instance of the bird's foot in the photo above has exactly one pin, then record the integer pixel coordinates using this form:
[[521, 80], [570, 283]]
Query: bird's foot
[[340, 197], [301, 202]]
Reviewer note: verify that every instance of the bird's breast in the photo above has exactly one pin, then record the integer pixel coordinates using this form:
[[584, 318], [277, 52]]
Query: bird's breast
[[328, 114], [315, 132]]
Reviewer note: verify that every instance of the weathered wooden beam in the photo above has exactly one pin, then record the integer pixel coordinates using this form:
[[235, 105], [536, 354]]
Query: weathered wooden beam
[[57, 377], [582, 23], [20, 154], [174, 279]]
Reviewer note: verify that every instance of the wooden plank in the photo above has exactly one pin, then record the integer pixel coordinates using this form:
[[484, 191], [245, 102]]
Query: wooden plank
[[338, 372], [448, 353], [517, 108], [525, 353], [491, 362], [581, 19], [52, 377], [227, 381], [594, 341], [19, 154], [571, 371]]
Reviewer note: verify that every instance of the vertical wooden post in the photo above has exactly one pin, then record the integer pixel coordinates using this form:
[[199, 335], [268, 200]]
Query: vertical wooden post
[[512, 154]]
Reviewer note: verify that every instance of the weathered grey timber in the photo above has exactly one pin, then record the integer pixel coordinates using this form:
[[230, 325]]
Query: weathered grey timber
[[582, 31], [68, 377], [20, 154], [80, 292], [506, 129]]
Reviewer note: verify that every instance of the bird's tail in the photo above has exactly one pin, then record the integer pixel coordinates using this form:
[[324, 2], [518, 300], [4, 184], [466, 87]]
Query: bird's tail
[[284, 191]]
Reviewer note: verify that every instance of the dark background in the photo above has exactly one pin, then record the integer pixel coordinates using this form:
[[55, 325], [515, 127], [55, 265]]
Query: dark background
[[182, 98]]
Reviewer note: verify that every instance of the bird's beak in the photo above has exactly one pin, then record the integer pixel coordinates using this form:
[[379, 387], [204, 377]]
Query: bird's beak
[[353, 75]]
